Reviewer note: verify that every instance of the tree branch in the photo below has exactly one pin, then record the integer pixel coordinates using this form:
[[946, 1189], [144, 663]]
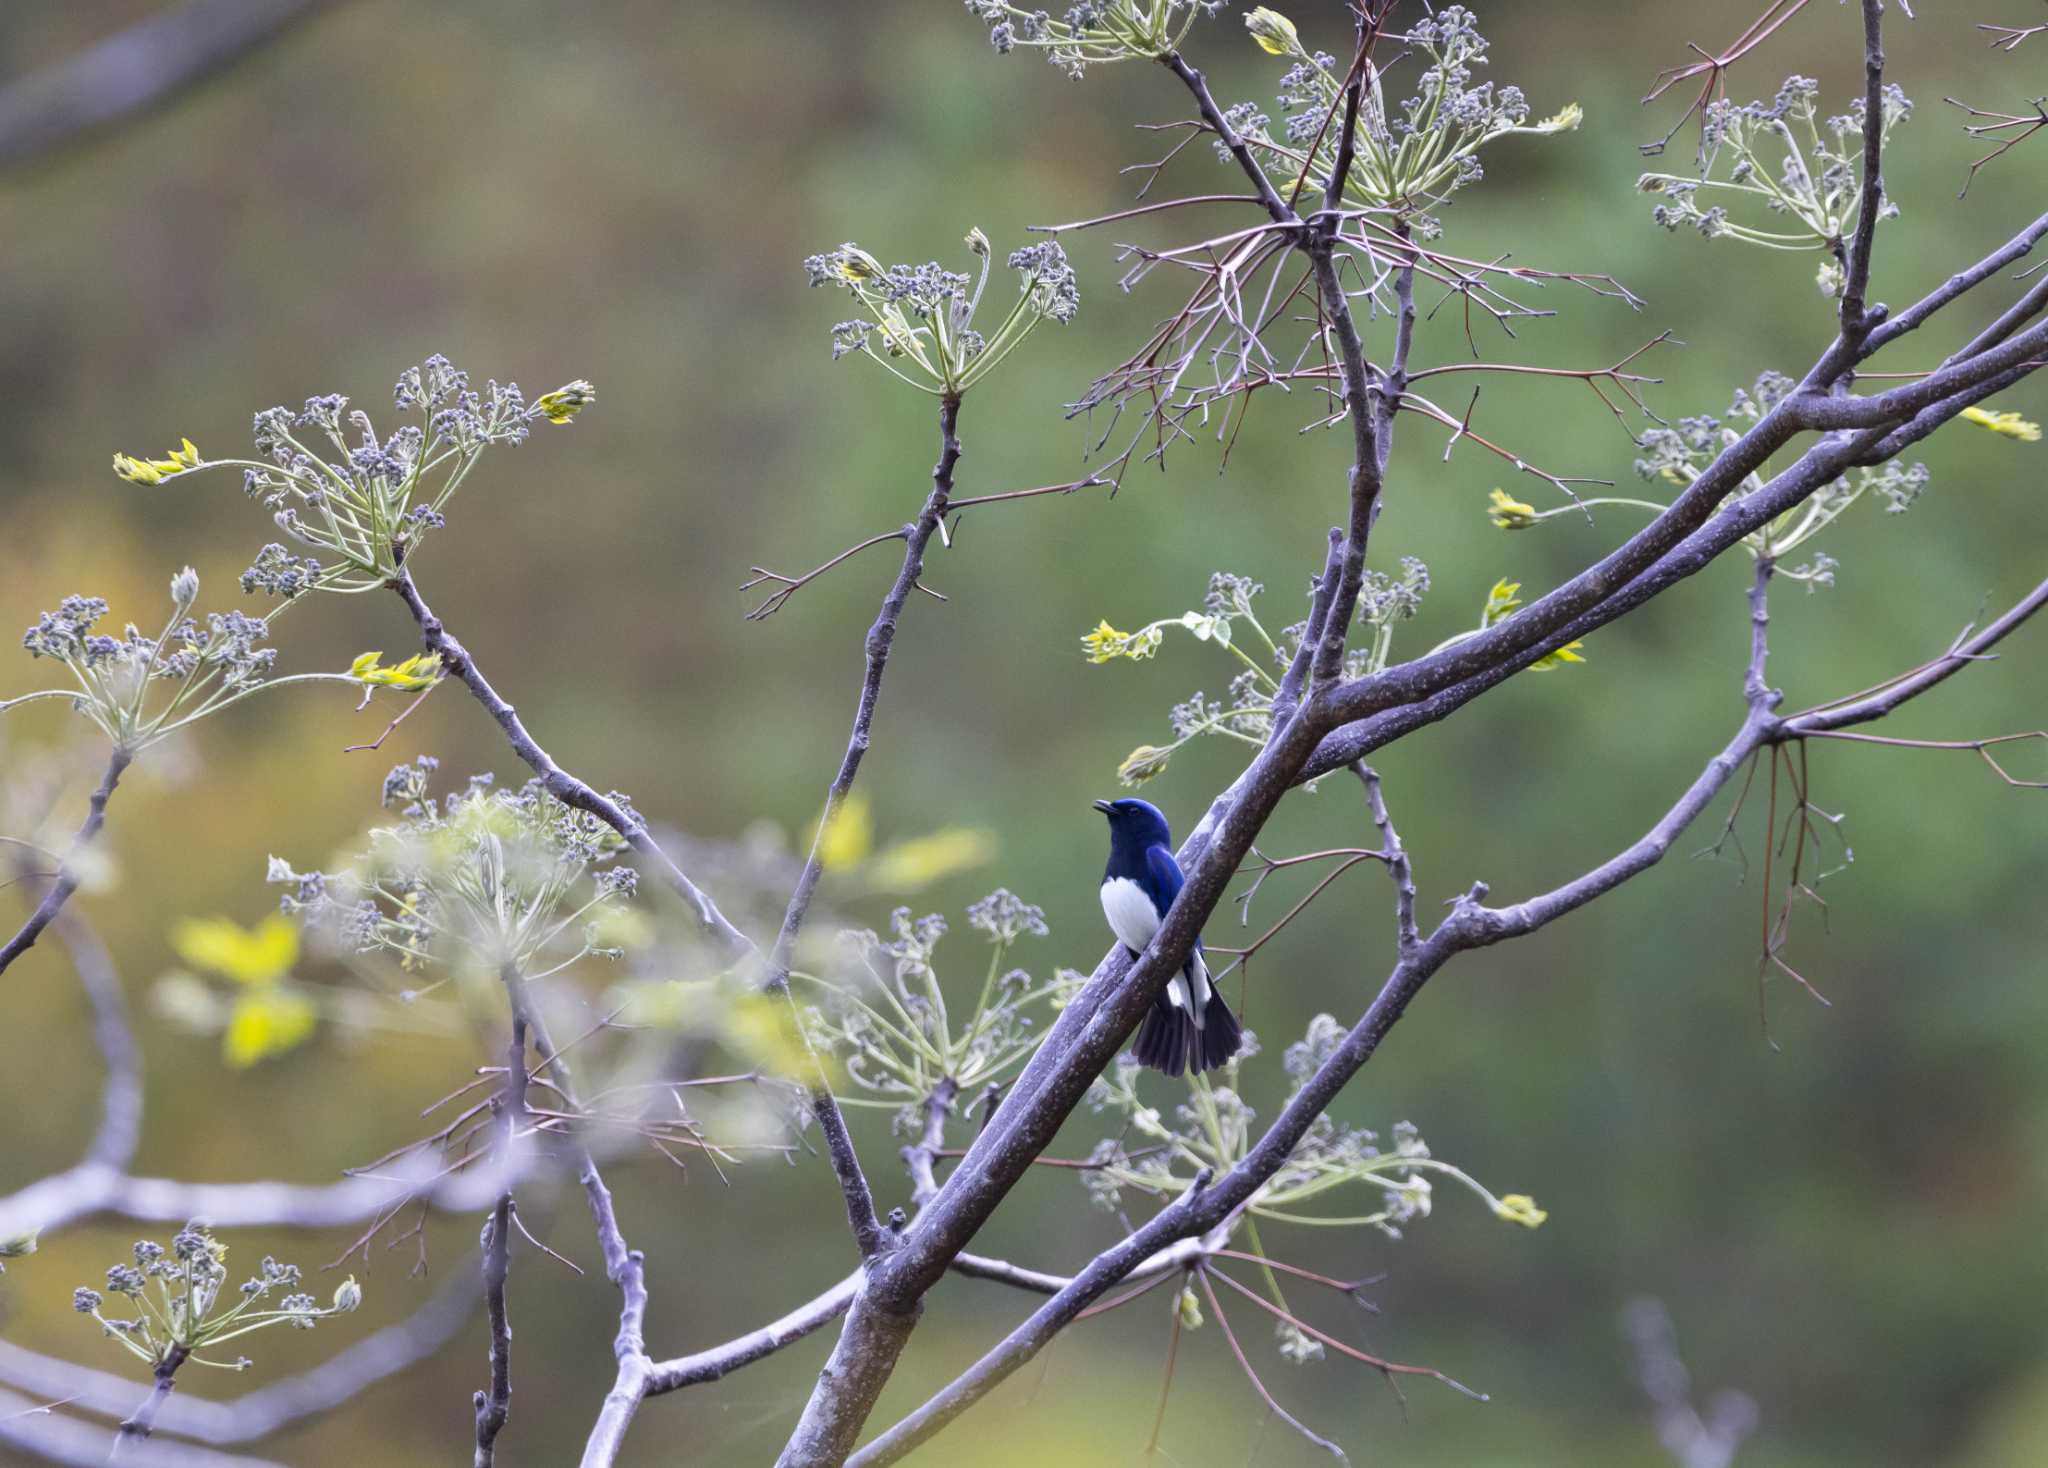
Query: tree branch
[[37, 1429], [922, 1155], [1470, 925], [1396, 857], [132, 71], [1856, 321], [139, 1424], [1887, 697], [565, 787], [872, 1338], [91, 1188], [626, 1268], [120, 1129], [67, 876], [494, 1406]]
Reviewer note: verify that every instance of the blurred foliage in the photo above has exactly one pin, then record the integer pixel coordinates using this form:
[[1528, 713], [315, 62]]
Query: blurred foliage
[[1845, 1226]]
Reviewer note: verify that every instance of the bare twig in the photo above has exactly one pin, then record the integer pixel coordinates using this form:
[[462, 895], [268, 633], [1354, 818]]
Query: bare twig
[[1693, 1440], [1856, 321], [860, 1208], [140, 1423], [1714, 67], [1245, 1365], [564, 786], [494, 1405], [1396, 858], [403, 714], [2007, 129], [67, 877], [34, 1429], [156, 60], [920, 1156]]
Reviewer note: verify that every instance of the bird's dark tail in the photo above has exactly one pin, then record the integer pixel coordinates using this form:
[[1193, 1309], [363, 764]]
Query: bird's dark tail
[[1170, 1041]]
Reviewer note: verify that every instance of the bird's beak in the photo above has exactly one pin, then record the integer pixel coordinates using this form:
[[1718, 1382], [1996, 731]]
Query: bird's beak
[[1101, 805]]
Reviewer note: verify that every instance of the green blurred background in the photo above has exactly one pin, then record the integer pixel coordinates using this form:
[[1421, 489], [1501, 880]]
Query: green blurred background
[[1847, 1226]]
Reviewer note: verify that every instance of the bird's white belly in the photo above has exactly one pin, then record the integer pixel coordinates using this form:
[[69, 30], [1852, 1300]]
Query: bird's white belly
[[1134, 920], [1132, 917]]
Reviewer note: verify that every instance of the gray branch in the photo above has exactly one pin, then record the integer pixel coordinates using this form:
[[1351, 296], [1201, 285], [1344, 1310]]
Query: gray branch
[[494, 1404], [36, 1429], [1856, 320], [101, 1184], [138, 1425], [132, 71], [66, 882], [565, 787], [1396, 856]]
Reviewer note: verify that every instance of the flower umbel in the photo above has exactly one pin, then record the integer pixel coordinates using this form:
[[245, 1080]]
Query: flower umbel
[[888, 1021], [139, 689], [482, 876], [1096, 32], [178, 1308], [1782, 156], [1407, 156], [1212, 1130], [333, 484], [923, 328]]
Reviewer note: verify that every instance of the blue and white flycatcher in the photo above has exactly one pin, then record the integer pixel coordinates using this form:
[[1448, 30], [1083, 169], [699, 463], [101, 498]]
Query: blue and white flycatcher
[[1191, 1026]]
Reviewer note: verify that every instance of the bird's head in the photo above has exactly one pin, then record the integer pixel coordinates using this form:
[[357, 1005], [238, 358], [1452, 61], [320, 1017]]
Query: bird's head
[[1137, 821]]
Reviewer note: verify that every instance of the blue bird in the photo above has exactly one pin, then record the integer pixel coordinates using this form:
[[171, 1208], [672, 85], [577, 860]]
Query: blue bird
[[1190, 1026]]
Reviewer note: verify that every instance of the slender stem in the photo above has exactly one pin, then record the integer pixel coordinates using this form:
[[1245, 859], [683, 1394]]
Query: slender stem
[[860, 1208], [920, 1157], [494, 1406], [1856, 320], [564, 786], [67, 877], [143, 1420]]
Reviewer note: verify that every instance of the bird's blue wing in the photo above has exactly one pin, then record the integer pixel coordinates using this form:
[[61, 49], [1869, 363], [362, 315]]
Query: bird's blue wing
[[1162, 881]]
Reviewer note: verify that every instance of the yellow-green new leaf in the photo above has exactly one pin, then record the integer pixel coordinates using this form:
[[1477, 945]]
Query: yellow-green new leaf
[[266, 1022], [257, 956]]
